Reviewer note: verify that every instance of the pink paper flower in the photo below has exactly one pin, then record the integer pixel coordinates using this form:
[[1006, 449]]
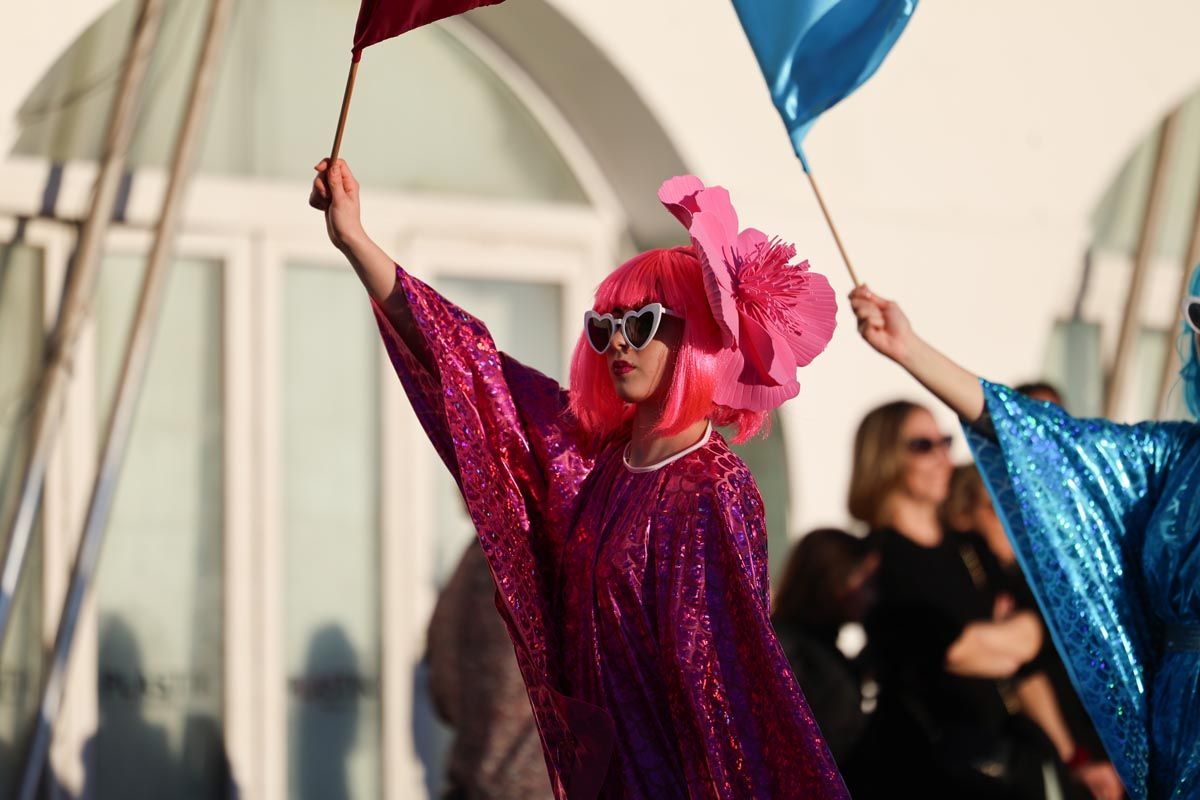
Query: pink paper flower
[[775, 316]]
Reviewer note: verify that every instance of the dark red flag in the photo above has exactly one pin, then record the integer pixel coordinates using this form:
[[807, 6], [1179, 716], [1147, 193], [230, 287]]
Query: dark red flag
[[383, 19]]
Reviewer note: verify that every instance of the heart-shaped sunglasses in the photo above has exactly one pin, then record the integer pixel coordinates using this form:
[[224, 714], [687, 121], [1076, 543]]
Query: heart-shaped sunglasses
[[638, 327], [1191, 312]]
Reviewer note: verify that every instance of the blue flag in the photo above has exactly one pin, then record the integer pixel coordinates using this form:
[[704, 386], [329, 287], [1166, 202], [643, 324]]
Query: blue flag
[[813, 53]]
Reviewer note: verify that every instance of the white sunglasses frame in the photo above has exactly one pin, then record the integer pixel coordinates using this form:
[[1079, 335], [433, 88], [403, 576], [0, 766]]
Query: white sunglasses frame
[[1187, 303], [619, 325]]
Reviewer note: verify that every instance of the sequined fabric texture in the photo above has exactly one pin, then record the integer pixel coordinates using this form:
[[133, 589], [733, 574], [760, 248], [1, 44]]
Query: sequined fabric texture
[[1105, 519], [637, 603]]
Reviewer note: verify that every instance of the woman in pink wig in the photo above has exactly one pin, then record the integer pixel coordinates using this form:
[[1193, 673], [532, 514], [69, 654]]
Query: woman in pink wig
[[627, 541]]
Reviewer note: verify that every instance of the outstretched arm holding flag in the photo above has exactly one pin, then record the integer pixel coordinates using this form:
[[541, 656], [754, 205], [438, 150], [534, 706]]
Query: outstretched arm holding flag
[[1104, 522]]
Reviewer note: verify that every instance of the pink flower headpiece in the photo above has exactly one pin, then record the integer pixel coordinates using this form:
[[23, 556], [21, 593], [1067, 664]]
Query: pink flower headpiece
[[775, 316]]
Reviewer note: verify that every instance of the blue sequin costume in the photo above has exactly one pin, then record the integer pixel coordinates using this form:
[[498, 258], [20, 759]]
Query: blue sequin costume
[[1105, 519]]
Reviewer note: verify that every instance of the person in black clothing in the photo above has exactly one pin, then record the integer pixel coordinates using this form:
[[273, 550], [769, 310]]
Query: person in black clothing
[[828, 582], [943, 644], [969, 508]]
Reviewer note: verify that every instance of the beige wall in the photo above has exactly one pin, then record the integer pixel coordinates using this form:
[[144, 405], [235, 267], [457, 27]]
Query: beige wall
[[35, 34], [962, 176]]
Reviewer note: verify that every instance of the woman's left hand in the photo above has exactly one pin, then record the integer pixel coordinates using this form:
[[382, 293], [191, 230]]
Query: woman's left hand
[[336, 192]]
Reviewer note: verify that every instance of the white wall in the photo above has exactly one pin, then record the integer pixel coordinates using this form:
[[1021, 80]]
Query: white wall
[[962, 176], [35, 34]]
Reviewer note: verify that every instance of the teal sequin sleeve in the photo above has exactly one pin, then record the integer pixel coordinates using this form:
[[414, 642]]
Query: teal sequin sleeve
[[1076, 497]]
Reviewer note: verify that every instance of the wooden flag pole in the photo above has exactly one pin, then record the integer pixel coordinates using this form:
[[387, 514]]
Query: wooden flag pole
[[341, 127], [832, 228]]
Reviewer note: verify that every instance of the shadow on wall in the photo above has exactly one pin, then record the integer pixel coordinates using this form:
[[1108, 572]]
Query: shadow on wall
[[130, 757], [325, 726], [431, 737]]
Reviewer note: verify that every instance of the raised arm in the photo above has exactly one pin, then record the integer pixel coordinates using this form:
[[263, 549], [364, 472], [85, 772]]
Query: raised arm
[[886, 328], [485, 413], [335, 192], [1074, 496]]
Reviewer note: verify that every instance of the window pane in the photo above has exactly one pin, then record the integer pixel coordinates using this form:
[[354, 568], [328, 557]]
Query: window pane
[[331, 495], [159, 588], [20, 352], [525, 320]]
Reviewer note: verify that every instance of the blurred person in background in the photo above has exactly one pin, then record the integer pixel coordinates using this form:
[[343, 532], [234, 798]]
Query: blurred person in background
[[1104, 519], [970, 508], [1045, 690], [943, 643], [477, 689], [828, 582]]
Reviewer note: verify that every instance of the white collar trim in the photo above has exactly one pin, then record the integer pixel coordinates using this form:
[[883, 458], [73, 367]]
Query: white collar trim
[[669, 459]]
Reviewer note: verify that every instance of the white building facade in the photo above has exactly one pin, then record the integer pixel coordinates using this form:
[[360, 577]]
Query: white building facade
[[282, 526]]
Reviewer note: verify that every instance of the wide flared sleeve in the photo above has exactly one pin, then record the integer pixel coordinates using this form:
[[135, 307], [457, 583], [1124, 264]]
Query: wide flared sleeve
[[484, 410], [1075, 496], [742, 721], [504, 432]]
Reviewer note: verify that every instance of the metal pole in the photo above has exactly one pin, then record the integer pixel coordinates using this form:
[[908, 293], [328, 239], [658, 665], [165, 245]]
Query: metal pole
[[75, 308], [128, 389], [1145, 252], [1171, 363]]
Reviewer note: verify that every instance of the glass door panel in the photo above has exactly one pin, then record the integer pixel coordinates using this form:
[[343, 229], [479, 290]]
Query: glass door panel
[[159, 587], [331, 536]]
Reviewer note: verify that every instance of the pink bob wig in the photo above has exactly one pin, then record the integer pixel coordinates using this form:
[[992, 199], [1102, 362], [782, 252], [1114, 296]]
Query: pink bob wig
[[671, 277]]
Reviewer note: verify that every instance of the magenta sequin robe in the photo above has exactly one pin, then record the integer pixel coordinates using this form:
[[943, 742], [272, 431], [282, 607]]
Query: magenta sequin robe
[[638, 603]]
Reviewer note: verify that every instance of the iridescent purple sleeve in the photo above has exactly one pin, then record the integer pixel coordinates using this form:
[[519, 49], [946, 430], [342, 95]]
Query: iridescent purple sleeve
[[504, 432], [484, 410], [750, 732]]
